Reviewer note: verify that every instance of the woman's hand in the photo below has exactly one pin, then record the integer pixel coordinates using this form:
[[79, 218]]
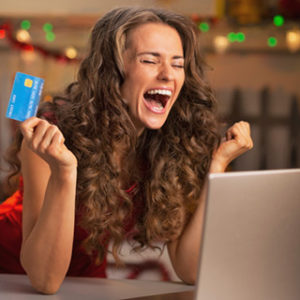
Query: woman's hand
[[237, 142], [47, 141]]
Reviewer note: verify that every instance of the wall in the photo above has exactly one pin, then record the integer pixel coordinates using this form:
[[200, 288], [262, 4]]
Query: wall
[[251, 73], [32, 7]]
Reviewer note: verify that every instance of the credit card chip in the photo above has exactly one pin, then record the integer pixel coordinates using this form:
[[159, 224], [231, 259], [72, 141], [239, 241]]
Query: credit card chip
[[28, 82]]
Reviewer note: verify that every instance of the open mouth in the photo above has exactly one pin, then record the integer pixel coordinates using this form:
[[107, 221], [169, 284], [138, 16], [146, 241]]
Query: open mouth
[[157, 99]]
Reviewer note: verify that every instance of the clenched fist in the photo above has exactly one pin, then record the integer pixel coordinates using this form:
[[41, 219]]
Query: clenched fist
[[238, 140], [47, 141]]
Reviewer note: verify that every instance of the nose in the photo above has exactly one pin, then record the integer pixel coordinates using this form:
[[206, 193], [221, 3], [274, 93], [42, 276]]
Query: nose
[[166, 72]]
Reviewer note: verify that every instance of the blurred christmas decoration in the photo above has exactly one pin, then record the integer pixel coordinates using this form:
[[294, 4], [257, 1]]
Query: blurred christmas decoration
[[272, 41], [246, 12], [221, 44], [22, 41], [23, 36], [50, 35], [25, 24], [293, 40], [290, 8], [47, 98], [71, 52], [48, 27], [278, 20], [2, 34], [244, 23], [204, 26], [236, 37]]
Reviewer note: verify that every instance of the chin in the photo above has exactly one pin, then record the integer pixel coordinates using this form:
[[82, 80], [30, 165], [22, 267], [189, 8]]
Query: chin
[[155, 126]]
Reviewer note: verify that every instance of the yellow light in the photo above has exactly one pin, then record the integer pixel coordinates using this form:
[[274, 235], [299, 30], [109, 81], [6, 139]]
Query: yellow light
[[23, 36], [48, 98], [293, 40], [221, 43], [71, 52]]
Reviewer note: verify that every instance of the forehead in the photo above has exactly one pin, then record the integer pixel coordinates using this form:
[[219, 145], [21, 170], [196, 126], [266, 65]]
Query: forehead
[[155, 37]]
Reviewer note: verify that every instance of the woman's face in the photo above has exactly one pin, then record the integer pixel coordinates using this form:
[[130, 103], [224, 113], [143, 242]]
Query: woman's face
[[154, 74]]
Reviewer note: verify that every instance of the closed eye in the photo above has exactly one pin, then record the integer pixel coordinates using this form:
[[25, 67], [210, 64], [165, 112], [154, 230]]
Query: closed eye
[[178, 66], [147, 61]]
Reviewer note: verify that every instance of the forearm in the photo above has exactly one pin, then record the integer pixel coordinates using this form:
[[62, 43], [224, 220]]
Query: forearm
[[46, 252], [186, 250]]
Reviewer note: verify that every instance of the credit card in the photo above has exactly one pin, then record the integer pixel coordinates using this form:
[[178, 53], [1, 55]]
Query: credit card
[[25, 97]]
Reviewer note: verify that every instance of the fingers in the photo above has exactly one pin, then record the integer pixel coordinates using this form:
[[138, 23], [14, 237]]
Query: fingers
[[49, 138], [27, 127], [241, 133], [238, 141], [40, 134], [47, 141], [57, 139]]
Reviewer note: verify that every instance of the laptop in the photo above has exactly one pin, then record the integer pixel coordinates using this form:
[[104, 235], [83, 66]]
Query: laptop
[[251, 239]]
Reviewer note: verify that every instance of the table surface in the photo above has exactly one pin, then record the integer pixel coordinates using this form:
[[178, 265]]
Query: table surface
[[17, 287]]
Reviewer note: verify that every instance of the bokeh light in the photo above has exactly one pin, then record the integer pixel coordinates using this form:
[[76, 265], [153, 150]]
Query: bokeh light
[[272, 41], [25, 24], [278, 20], [50, 36], [240, 37], [71, 52], [204, 26], [48, 27]]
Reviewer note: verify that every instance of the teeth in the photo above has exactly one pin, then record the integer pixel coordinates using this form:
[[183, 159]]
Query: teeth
[[158, 107], [161, 92]]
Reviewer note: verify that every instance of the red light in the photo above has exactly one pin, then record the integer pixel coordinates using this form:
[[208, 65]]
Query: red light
[[2, 33], [27, 47]]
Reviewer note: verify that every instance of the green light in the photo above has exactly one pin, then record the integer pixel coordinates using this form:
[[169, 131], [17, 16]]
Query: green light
[[48, 27], [272, 42], [204, 27], [50, 36], [278, 20], [25, 24], [231, 37], [240, 37]]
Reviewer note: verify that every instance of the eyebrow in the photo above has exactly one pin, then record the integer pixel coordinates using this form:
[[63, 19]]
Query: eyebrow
[[156, 54]]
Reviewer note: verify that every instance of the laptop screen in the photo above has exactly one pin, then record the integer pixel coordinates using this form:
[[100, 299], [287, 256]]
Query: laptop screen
[[251, 240]]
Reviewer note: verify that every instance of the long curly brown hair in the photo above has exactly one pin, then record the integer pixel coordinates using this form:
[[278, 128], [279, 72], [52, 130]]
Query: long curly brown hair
[[168, 165]]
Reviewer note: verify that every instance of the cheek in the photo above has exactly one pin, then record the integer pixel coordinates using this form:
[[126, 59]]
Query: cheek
[[182, 80]]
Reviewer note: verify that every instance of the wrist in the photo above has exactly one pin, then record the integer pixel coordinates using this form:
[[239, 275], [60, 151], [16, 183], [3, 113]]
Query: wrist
[[65, 173], [217, 166]]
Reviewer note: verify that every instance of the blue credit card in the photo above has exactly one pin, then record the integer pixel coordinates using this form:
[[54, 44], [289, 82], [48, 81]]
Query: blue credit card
[[25, 97]]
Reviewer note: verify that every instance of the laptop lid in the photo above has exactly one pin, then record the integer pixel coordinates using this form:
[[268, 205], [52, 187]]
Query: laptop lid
[[251, 239]]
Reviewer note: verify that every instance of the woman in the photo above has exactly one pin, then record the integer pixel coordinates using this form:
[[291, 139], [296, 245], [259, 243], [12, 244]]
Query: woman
[[124, 154]]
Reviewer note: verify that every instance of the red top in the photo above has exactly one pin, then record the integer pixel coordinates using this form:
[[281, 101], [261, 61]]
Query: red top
[[11, 238]]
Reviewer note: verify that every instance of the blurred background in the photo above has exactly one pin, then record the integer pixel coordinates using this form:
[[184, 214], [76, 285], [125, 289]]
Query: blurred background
[[251, 46]]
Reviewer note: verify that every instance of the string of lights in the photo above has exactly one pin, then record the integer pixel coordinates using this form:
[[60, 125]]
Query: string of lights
[[20, 38], [22, 41]]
